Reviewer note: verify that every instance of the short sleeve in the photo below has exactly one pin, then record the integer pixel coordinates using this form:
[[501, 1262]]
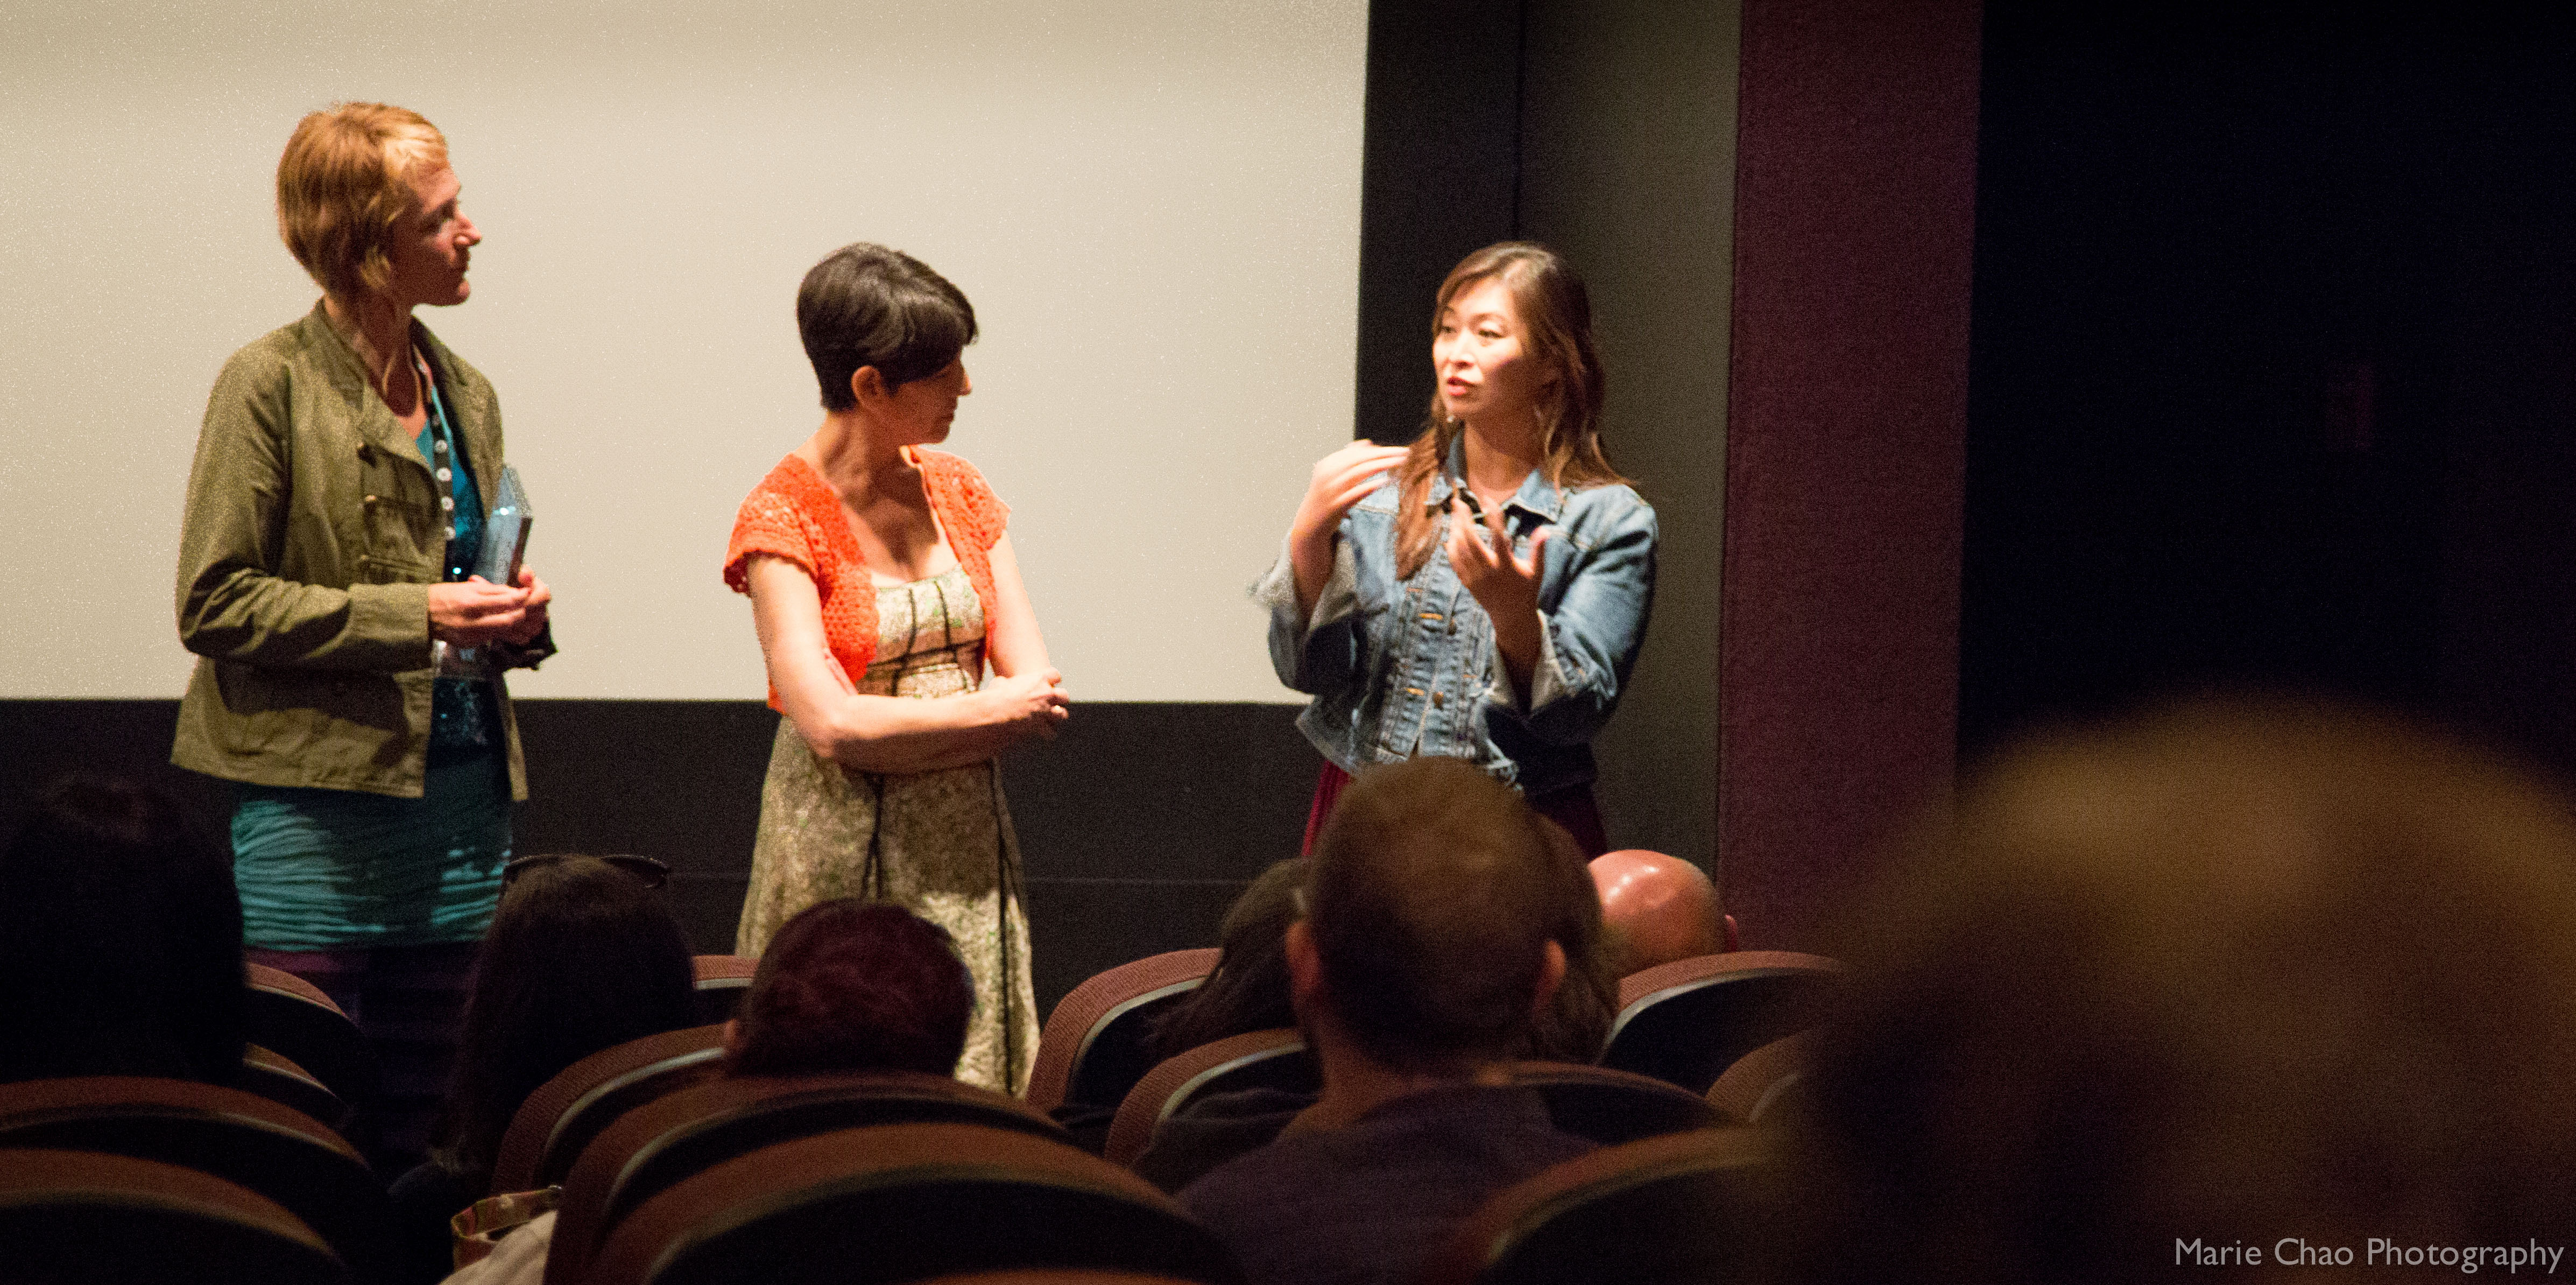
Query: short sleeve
[[768, 523], [966, 504]]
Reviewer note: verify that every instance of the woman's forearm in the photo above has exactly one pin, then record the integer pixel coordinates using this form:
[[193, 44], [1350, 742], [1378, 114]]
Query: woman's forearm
[[907, 734], [1310, 562], [864, 732], [1516, 641]]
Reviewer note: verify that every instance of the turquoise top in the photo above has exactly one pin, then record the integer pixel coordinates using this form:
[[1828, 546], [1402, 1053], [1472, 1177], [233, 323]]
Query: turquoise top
[[462, 710]]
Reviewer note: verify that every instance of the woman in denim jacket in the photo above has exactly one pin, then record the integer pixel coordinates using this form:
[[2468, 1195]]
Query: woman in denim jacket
[[1480, 594]]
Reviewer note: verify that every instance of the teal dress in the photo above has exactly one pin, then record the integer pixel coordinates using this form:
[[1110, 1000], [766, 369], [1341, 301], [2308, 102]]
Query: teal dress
[[342, 869]]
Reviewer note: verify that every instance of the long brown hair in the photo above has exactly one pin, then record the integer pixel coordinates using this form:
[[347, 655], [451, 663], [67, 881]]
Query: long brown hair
[[1555, 315]]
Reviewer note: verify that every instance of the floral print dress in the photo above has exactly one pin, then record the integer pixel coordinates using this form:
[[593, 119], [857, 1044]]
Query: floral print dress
[[939, 842]]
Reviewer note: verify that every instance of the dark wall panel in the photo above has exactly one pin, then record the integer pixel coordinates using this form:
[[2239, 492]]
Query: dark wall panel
[[1138, 824], [1628, 167], [1438, 172]]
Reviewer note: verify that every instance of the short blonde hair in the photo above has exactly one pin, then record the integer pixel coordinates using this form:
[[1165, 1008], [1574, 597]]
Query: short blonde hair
[[345, 180]]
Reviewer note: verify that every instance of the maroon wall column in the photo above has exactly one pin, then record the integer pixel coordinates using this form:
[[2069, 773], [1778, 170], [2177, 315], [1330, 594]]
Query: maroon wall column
[[1839, 610]]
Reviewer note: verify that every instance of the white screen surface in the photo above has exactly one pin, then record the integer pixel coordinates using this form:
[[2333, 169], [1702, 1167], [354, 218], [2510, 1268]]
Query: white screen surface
[[1154, 206]]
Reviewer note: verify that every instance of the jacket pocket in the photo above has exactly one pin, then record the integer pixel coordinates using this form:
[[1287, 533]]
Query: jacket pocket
[[400, 518]]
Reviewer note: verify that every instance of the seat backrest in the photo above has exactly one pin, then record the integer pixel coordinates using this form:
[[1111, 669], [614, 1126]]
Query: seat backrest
[[1685, 1022], [278, 1079], [1760, 1081], [1612, 1107], [693, 1129], [1095, 1045], [1691, 1208], [96, 1217], [904, 1202], [281, 1154], [549, 1130], [1273, 1059], [292, 1018], [721, 981]]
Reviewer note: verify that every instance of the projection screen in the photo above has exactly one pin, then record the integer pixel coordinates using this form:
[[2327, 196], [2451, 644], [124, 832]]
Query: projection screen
[[1154, 206]]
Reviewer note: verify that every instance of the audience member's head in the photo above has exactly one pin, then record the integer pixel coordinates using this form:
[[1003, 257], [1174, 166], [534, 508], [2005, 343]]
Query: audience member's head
[[854, 985], [1660, 909], [1575, 1023], [2135, 1003], [582, 954], [122, 937], [1428, 943], [1248, 988]]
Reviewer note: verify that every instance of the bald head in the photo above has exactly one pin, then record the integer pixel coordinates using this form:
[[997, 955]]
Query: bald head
[[1659, 908]]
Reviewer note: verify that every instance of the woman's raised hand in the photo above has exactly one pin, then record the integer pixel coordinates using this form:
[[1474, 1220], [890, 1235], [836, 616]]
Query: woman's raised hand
[[1340, 480], [1505, 584], [1030, 704]]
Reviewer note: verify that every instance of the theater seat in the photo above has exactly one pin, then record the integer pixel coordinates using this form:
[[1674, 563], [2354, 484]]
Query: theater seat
[[1611, 1107], [901, 1203], [1683, 1209], [721, 981], [292, 1018], [100, 1219], [280, 1080], [565, 1113], [1274, 1059], [690, 1130], [1687, 1021], [283, 1155], [1096, 1042], [1761, 1082]]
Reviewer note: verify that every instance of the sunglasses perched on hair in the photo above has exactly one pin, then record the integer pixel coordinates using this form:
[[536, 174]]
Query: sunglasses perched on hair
[[653, 873]]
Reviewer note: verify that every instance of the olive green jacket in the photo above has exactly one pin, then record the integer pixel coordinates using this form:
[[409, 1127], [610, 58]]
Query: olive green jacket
[[311, 539]]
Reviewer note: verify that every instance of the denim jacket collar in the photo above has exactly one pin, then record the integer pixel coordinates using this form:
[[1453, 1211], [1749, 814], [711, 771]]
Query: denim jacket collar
[[1536, 497]]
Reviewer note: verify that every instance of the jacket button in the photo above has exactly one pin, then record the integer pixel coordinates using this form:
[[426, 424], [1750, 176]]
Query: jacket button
[[1439, 699]]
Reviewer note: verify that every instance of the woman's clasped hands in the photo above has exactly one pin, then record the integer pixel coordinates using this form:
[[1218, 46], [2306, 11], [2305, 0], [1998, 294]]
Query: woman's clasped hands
[[475, 611], [1029, 704]]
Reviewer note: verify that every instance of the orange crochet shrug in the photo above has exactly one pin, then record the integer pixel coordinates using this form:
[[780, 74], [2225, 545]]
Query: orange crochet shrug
[[796, 515]]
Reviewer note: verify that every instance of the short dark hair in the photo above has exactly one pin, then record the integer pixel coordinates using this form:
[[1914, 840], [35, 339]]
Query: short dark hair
[[122, 932], [1434, 894], [866, 305], [581, 956], [851, 985]]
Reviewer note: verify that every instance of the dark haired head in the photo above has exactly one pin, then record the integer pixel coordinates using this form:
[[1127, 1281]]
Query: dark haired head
[[127, 912], [866, 305], [1576, 1022], [853, 985], [2201, 973], [1248, 988], [1555, 313], [1434, 894], [581, 956]]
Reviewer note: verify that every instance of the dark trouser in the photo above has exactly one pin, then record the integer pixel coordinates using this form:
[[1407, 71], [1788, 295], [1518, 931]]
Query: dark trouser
[[409, 1001]]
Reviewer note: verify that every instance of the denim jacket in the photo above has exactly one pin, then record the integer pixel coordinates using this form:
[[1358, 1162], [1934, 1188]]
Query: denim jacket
[[1406, 668]]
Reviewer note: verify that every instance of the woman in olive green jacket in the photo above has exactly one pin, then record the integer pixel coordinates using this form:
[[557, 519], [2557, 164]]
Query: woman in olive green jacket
[[334, 508]]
